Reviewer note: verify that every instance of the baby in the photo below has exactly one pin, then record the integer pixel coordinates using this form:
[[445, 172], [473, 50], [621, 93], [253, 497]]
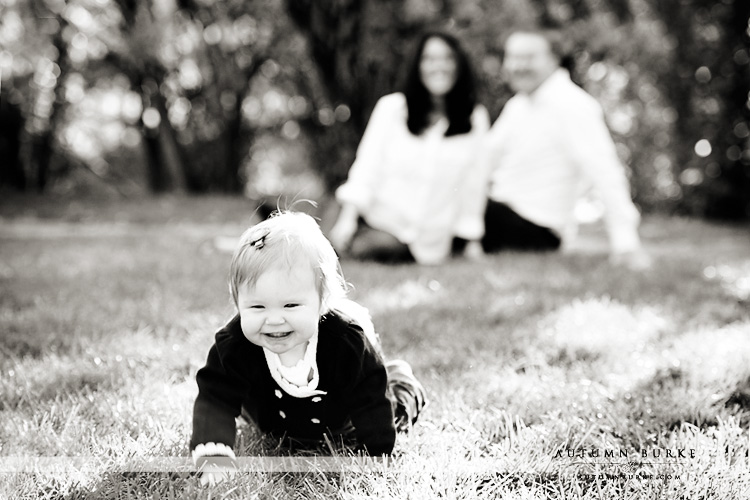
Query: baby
[[299, 359]]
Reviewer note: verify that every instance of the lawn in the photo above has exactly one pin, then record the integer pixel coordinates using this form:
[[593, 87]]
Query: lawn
[[549, 375]]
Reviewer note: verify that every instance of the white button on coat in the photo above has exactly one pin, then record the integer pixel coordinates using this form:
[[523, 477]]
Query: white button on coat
[[315, 420], [277, 393], [283, 415]]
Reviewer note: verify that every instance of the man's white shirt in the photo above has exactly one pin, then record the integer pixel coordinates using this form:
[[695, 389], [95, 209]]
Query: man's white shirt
[[546, 149]]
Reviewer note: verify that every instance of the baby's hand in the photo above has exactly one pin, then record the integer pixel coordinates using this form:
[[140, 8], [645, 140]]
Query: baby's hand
[[214, 470]]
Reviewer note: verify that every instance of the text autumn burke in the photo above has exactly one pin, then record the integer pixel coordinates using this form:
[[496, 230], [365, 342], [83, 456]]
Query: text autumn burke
[[645, 453]]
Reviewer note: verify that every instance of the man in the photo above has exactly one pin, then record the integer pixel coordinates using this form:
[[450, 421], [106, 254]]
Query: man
[[549, 144]]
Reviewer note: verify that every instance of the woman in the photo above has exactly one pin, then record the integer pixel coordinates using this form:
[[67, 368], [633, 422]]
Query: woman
[[416, 184]]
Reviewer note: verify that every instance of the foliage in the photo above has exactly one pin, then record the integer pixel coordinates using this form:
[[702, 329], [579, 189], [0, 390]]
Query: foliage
[[709, 90], [168, 85], [523, 355], [638, 57], [270, 96]]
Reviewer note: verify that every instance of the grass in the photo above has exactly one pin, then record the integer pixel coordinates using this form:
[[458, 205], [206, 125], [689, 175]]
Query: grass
[[108, 309]]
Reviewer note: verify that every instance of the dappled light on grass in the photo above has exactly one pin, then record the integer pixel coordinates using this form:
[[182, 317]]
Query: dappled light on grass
[[618, 339], [602, 327], [522, 356], [125, 397], [734, 279], [701, 381], [714, 358], [404, 296]]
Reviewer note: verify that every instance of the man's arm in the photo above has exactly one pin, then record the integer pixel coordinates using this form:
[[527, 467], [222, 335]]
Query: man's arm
[[587, 140]]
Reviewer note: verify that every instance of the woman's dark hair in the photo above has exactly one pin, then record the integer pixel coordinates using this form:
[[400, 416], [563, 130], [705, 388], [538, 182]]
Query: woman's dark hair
[[459, 102]]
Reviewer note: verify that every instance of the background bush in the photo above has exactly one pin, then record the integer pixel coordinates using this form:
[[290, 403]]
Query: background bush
[[270, 97]]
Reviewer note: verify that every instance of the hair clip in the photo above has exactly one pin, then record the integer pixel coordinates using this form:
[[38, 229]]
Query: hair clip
[[259, 243]]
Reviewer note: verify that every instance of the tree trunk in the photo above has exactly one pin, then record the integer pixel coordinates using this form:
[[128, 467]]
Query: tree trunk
[[43, 143], [232, 178], [11, 126], [158, 181], [170, 151], [41, 153], [165, 163], [163, 157]]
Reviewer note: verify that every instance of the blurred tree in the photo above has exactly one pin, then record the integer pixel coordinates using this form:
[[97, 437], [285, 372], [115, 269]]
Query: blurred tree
[[226, 96], [30, 89], [42, 143], [236, 39], [708, 84], [193, 63], [47, 46], [190, 64], [625, 54], [359, 48], [143, 31]]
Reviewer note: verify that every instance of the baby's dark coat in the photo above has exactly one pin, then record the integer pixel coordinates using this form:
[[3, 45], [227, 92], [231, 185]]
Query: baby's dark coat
[[351, 372]]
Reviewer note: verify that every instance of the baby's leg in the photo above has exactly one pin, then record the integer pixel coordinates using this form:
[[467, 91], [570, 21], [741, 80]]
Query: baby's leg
[[406, 393]]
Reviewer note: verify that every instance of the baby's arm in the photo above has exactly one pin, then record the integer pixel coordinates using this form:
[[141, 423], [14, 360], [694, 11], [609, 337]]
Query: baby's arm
[[371, 411], [216, 407]]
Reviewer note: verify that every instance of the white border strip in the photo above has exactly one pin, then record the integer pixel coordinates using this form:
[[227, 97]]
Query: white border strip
[[51, 465], [167, 464]]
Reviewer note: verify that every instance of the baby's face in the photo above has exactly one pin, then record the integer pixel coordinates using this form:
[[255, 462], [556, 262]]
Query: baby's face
[[281, 311]]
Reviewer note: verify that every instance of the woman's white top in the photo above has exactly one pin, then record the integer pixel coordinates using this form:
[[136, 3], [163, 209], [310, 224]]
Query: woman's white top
[[424, 189]]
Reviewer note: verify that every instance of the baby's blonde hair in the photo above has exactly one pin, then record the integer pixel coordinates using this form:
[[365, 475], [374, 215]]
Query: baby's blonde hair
[[287, 239]]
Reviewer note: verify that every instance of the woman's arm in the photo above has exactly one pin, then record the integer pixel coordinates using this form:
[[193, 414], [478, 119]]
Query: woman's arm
[[366, 171], [343, 231]]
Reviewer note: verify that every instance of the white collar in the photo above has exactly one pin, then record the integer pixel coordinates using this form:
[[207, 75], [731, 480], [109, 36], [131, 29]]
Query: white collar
[[294, 379]]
